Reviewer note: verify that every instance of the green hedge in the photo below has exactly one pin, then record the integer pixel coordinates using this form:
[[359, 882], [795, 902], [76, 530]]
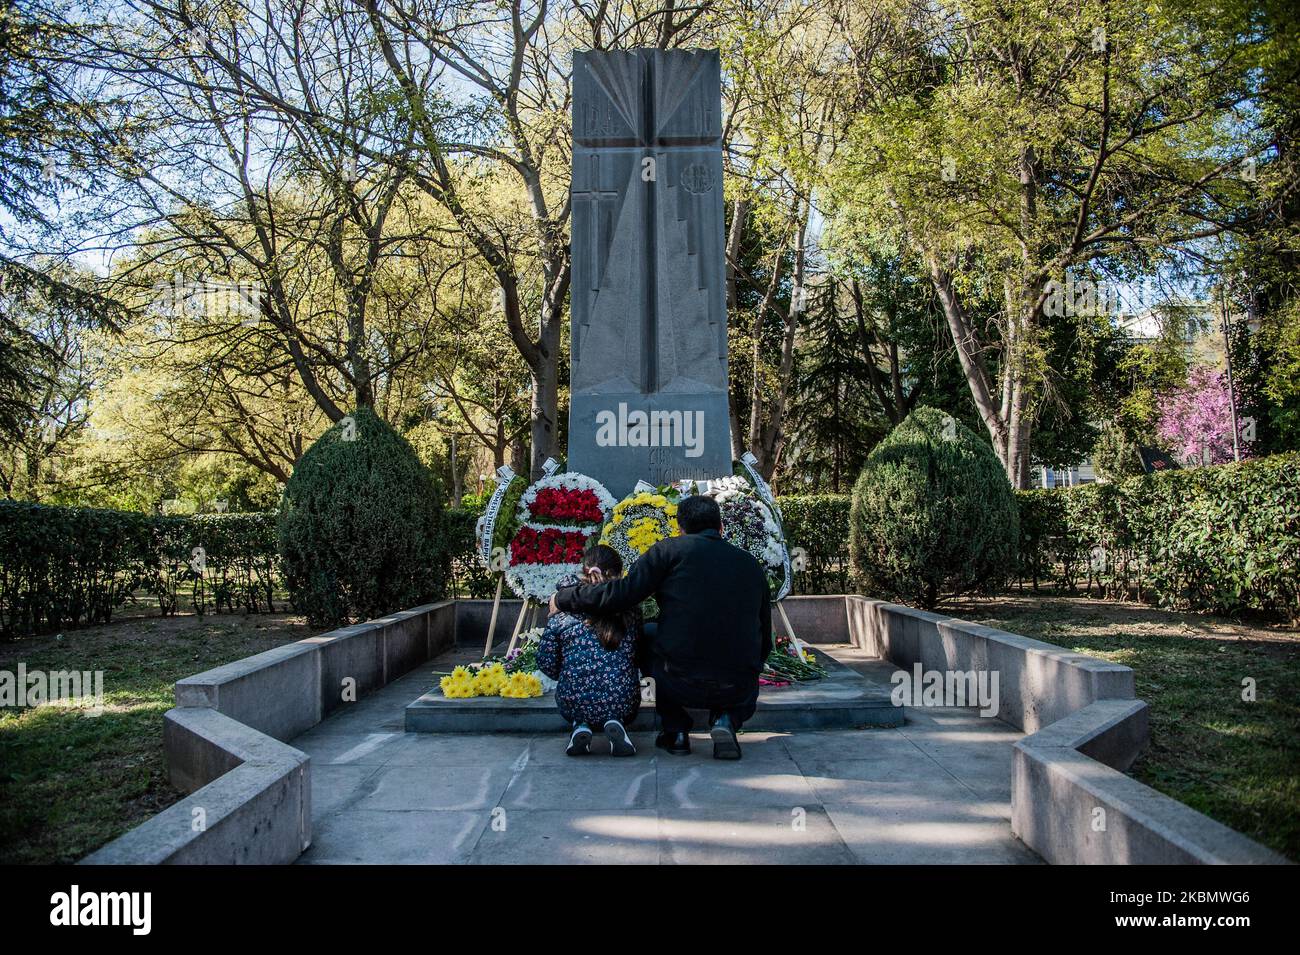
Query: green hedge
[[1223, 538], [817, 532], [242, 562], [469, 578], [68, 566]]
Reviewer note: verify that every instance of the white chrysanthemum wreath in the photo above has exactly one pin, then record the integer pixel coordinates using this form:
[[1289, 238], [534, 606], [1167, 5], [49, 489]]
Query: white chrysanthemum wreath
[[748, 523]]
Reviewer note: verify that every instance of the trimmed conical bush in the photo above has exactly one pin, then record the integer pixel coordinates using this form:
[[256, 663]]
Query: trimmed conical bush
[[360, 525], [933, 514]]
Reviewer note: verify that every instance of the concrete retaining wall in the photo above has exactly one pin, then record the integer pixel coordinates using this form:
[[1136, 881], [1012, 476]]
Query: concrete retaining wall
[[1070, 800], [1072, 803], [1038, 683], [286, 691], [473, 617], [250, 796], [816, 619], [253, 803]]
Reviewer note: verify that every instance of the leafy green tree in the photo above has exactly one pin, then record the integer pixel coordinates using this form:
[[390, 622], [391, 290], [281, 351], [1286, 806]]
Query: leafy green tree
[[1015, 145], [61, 364], [1082, 384], [54, 132], [1261, 272], [834, 422], [1146, 370], [1114, 455]]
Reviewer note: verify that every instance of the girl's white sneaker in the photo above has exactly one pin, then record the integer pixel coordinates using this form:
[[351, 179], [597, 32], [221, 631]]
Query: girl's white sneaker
[[620, 744], [579, 741]]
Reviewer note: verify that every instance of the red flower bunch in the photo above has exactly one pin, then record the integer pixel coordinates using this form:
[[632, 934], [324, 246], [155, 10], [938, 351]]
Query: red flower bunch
[[562, 504], [550, 546]]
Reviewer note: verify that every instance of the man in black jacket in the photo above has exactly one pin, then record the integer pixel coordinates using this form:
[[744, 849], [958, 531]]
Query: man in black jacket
[[714, 630]]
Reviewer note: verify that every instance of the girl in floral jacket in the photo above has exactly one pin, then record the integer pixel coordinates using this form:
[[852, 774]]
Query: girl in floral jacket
[[594, 660]]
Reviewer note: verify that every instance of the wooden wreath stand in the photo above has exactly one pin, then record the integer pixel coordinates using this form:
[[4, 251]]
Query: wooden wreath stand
[[799, 645], [530, 609]]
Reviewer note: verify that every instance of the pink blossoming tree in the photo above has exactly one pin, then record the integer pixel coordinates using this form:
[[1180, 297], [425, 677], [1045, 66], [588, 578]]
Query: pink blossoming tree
[[1196, 420]]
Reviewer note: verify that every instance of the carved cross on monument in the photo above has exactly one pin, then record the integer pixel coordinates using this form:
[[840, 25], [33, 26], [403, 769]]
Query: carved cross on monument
[[649, 329], [599, 208]]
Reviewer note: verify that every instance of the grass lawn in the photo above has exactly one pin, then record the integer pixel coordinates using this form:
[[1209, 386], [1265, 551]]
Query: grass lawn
[[1236, 761], [70, 782]]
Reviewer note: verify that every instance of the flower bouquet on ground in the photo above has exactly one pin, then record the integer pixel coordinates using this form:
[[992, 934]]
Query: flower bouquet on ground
[[786, 665], [464, 682], [515, 676], [556, 518], [523, 658]]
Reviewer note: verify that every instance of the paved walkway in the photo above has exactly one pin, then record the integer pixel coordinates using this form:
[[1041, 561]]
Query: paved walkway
[[936, 790]]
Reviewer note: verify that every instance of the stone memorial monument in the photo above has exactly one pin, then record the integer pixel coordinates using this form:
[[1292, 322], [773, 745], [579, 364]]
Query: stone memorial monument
[[649, 319]]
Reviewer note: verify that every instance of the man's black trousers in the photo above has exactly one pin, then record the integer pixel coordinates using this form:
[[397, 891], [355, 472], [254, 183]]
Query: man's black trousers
[[675, 692]]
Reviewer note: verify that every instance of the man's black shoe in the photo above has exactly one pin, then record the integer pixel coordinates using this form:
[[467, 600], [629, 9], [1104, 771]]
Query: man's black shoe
[[677, 744], [725, 744]]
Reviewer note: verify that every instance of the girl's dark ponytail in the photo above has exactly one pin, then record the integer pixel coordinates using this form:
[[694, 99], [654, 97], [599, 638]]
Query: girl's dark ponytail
[[610, 629]]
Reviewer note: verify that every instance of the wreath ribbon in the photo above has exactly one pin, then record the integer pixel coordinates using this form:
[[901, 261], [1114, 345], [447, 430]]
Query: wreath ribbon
[[766, 496], [487, 524]]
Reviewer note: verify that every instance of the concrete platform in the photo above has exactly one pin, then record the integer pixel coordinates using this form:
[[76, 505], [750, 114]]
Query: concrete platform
[[848, 698], [934, 790]]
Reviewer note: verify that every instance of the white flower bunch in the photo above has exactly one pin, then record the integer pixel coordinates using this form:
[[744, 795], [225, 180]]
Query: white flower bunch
[[737, 497], [730, 487], [538, 581]]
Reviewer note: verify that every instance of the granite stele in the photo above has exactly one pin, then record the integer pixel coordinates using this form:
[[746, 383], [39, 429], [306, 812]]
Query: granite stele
[[649, 355]]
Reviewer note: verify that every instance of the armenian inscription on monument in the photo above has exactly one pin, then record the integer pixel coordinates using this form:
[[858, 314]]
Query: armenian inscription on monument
[[649, 322]]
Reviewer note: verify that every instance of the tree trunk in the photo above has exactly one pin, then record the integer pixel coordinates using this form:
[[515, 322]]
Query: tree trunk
[[972, 362], [767, 438], [739, 212], [499, 445], [756, 380], [518, 455], [737, 433], [363, 389], [457, 478], [546, 392]]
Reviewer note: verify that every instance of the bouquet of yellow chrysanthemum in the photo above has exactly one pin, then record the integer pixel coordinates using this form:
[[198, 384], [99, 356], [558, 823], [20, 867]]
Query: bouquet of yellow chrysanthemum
[[521, 686], [489, 679], [459, 684]]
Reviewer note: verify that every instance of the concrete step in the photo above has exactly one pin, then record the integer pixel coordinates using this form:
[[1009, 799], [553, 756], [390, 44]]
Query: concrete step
[[845, 699]]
